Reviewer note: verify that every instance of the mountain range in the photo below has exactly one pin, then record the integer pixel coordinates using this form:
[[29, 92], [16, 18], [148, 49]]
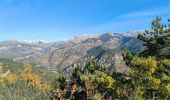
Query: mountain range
[[65, 55]]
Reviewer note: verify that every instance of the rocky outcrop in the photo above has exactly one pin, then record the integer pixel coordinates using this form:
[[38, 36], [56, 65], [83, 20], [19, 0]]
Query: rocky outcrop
[[111, 59]]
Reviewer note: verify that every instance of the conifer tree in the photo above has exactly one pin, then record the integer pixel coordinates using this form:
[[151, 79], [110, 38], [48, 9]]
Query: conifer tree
[[156, 40]]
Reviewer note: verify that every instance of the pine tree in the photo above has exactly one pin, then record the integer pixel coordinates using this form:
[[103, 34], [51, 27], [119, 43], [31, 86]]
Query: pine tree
[[156, 40]]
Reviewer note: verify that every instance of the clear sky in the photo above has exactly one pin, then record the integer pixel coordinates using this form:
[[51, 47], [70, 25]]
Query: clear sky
[[54, 20]]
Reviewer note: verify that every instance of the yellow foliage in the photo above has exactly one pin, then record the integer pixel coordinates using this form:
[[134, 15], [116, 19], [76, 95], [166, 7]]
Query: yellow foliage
[[166, 62], [103, 79], [167, 87], [155, 82], [148, 64], [1, 81], [144, 67], [30, 77], [110, 81], [11, 78], [97, 96], [27, 69]]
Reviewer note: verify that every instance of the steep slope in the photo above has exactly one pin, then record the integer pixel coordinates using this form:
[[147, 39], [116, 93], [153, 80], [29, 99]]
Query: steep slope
[[110, 59], [66, 56]]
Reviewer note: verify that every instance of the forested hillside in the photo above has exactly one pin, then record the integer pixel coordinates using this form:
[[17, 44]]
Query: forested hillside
[[130, 75]]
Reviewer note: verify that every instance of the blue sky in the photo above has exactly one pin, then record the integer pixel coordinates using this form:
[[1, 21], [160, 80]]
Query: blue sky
[[55, 20]]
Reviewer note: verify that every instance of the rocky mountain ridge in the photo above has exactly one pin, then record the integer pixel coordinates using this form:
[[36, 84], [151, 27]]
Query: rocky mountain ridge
[[105, 49], [62, 54]]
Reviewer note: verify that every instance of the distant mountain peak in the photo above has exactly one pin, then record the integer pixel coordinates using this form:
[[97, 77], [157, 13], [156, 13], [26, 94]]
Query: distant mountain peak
[[34, 41], [26, 41]]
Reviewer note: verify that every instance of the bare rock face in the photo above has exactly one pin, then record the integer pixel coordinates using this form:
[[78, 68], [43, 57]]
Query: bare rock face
[[111, 59]]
